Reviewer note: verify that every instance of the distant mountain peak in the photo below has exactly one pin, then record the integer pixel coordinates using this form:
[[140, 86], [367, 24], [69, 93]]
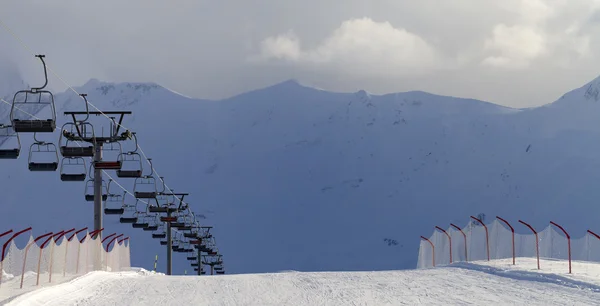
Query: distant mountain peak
[[592, 90], [588, 93], [290, 83]]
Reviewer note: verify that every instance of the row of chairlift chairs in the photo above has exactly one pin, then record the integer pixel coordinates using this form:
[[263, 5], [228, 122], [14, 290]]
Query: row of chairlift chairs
[[70, 141], [76, 143], [189, 237]]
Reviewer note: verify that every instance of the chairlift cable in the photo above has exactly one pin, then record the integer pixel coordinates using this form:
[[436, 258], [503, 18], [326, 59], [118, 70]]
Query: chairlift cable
[[48, 68], [75, 91]]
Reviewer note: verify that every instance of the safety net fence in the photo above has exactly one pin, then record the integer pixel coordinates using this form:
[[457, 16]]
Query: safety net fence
[[58, 257], [497, 240]]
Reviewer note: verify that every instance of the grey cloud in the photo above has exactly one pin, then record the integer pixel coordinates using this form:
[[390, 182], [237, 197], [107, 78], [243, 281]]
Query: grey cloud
[[202, 48]]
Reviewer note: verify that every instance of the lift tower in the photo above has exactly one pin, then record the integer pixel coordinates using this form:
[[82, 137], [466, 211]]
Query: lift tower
[[82, 134]]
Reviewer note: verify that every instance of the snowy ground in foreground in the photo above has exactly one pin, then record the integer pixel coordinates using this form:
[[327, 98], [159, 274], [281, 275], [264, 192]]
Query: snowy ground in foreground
[[482, 283]]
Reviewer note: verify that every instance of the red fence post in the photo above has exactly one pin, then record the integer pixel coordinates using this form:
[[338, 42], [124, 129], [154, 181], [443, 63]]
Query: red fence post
[[92, 234], [5, 233], [25, 257], [537, 247], [66, 252], [449, 239], [108, 246], [11, 239], [51, 253], [108, 237], [95, 233], [4, 248], [432, 250], [464, 236], [112, 240], [595, 235], [513, 237], [77, 233], [487, 237], [67, 249], [568, 242]]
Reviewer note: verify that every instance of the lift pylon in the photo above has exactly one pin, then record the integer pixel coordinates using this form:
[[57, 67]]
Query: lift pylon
[[97, 141]]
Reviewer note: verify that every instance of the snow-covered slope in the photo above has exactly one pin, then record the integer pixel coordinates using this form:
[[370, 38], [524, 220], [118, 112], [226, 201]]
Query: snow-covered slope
[[499, 284], [298, 178]]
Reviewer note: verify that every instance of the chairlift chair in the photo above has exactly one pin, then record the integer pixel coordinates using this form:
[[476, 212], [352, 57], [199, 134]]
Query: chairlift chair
[[6, 133], [191, 235], [89, 190], [115, 204], [220, 272], [133, 159], [135, 214], [128, 220], [158, 209], [145, 187], [162, 205], [141, 223], [36, 96], [71, 175], [159, 236], [163, 242], [81, 131], [151, 228], [46, 148], [152, 224]]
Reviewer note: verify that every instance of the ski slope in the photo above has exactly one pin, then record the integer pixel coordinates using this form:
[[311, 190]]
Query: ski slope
[[482, 283]]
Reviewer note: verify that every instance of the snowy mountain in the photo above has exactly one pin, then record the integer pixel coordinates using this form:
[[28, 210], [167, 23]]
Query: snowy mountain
[[299, 178]]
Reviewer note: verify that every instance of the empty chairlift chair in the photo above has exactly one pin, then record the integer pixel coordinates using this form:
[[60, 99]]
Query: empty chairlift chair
[[131, 165], [152, 222], [152, 227], [163, 204], [193, 235], [10, 143], [128, 220], [73, 169], [159, 235], [145, 187], [48, 151], [131, 162], [89, 190], [132, 214], [33, 101], [114, 205], [142, 221]]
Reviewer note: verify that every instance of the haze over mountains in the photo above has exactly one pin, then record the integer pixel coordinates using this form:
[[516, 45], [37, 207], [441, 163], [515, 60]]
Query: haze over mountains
[[297, 178]]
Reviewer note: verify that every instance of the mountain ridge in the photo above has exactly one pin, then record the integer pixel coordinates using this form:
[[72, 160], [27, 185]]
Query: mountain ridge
[[311, 180]]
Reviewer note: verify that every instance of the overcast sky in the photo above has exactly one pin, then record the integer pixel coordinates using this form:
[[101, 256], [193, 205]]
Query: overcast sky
[[513, 52]]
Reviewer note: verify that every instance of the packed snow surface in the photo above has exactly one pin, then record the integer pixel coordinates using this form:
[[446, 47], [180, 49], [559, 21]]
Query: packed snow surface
[[482, 283]]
